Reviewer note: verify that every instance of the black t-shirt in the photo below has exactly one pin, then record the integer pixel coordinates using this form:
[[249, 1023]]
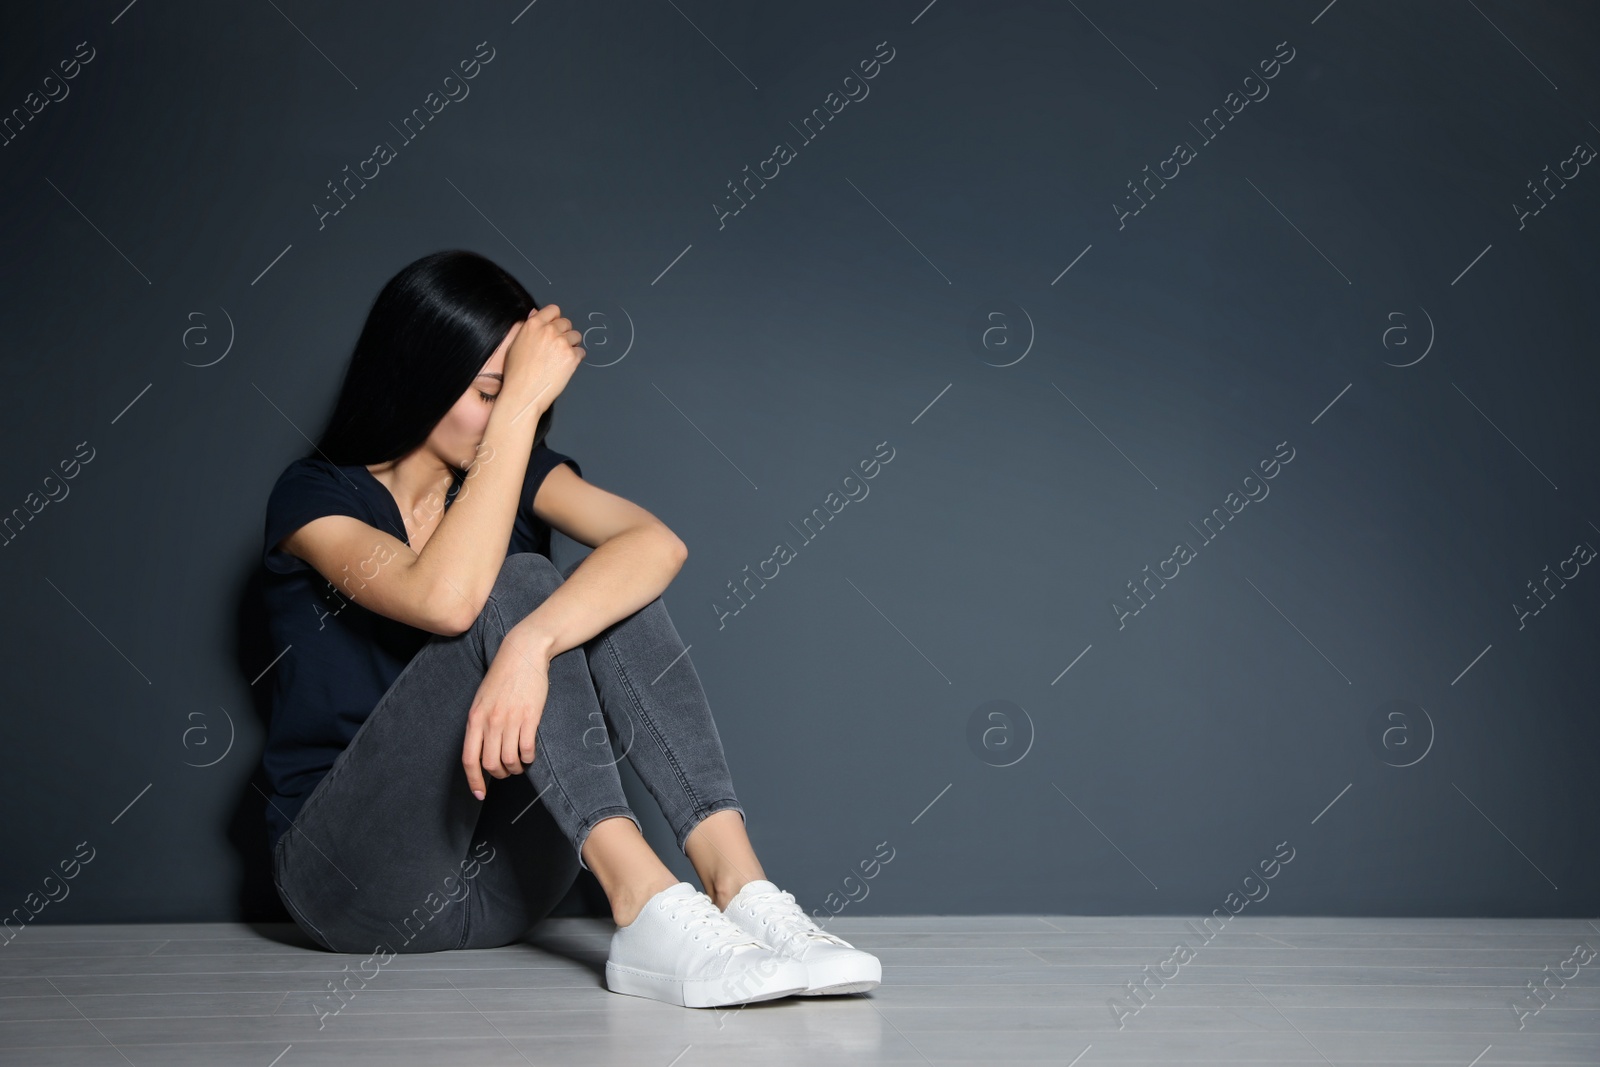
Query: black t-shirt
[[336, 658]]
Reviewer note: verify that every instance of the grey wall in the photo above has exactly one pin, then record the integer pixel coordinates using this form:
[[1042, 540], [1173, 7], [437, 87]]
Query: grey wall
[[944, 701]]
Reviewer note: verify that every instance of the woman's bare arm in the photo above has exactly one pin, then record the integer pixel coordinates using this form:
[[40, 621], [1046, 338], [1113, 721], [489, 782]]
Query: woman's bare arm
[[635, 558], [443, 588]]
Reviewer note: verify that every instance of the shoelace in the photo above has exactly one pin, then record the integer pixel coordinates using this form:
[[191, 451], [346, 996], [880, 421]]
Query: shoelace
[[715, 930], [786, 920]]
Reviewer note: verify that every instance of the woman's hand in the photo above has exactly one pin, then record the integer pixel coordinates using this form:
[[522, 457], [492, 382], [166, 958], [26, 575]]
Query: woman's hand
[[543, 355], [505, 713]]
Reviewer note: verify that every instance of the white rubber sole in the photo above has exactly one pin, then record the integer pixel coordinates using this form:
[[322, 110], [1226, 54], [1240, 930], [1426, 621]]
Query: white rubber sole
[[843, 975], [843, 987], [746, 988]]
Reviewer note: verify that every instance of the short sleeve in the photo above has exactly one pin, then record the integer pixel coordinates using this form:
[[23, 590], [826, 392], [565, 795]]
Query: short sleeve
[[307, 489], [541, 461]]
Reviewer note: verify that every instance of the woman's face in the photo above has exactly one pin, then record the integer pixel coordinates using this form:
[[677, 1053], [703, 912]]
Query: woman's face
[[458, 434]]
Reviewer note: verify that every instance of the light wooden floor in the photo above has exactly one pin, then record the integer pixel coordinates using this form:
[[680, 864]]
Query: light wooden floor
[[957, 990]]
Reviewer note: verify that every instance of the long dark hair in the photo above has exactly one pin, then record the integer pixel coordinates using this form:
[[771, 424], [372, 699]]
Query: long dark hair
[[430, 331]]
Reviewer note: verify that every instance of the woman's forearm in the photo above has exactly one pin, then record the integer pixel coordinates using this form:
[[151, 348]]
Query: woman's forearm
[[464, 554], [621, 575]]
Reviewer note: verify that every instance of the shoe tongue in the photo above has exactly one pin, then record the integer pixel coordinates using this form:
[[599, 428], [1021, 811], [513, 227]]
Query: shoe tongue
[[760, 885]]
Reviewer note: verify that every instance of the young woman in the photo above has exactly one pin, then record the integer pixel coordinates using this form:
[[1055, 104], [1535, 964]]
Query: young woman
[[428, 640]]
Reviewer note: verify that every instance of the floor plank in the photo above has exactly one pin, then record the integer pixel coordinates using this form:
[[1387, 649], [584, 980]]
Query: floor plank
[[1045, 989]]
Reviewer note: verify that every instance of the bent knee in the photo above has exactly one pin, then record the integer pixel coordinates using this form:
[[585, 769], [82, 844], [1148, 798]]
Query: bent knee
[[529, 569], [524, 581]]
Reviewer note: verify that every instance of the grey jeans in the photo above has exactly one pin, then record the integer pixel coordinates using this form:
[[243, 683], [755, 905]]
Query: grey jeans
[[391, 849]]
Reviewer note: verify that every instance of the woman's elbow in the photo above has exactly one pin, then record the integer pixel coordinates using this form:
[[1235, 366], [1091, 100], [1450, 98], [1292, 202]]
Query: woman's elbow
[[452, 614], [676, 549]]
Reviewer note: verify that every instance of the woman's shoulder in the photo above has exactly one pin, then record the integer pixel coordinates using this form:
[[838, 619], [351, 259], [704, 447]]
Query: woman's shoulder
[[311, 472], [309, 488], [543, 459]]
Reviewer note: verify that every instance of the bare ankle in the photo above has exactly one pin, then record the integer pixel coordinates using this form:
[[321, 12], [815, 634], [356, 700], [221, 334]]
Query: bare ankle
[[723, 891], [627, 904], [626, 867]]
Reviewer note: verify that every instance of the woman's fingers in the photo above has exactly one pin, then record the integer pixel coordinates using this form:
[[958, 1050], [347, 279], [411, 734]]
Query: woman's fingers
[[469, 756], [509, 754], [494, 747], [503, 724], [503, 746], [530, 730]]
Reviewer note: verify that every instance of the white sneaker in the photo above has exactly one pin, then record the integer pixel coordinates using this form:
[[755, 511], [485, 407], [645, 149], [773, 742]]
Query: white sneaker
[[832, 964], [682, 950]]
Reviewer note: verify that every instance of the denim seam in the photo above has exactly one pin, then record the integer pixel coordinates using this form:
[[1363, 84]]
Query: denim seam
[[466, 915], [338, 765], [334, 769], [701, 813], [295, 909], [672, 758], [311, 797], [587, 826], [556, 779]]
